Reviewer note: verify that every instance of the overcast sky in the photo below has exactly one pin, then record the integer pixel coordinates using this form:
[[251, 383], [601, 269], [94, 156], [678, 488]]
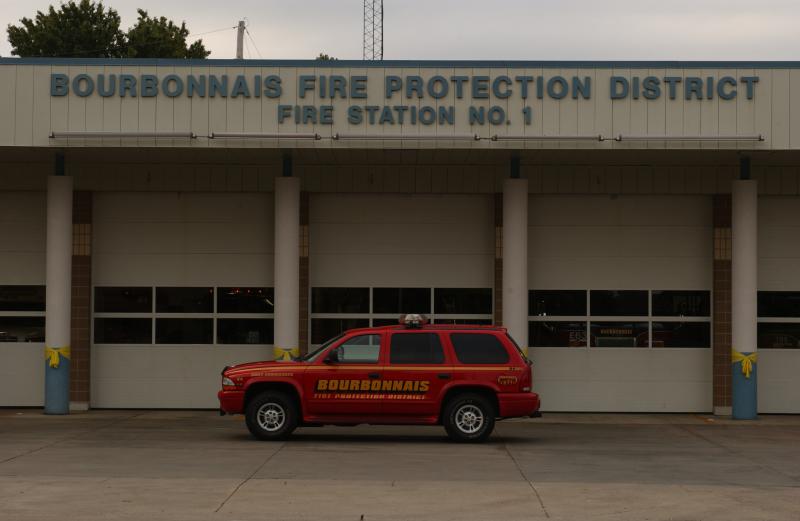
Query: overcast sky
[[481, 29]]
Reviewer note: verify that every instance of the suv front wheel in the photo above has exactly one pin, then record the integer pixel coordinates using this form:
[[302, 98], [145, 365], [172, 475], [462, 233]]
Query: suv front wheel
[[272, 415], [469, 417]]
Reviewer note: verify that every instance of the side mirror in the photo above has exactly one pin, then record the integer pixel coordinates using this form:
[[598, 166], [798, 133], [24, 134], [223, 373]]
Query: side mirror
[[333, 356]]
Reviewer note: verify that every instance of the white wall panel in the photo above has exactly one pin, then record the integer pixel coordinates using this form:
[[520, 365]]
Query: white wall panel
[[176, 239], [402, 240], [164, 376], [179, 239], [21, 374], [778, 270], [619, 242], [778, 381], [22, 237], [623, 380], [26, 104], [22, 261], [778, 244]]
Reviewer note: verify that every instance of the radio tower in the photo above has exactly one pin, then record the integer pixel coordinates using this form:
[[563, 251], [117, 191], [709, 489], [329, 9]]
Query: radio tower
[[373, 30]]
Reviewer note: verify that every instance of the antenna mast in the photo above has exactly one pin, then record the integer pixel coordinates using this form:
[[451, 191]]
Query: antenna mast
[[372, 47]]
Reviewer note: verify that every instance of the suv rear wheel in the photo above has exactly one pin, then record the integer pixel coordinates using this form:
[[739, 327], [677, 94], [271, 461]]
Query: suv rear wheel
[[272, 415], [468, 418]]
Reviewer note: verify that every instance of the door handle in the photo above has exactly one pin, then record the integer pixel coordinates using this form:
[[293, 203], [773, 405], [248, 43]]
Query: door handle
[[444, 376], [374, 375]]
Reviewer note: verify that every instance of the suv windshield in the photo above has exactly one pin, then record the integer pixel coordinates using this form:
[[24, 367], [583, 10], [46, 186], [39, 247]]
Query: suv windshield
[[313, 355]]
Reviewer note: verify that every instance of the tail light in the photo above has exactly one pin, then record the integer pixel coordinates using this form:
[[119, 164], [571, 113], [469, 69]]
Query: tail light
[[526, 382]]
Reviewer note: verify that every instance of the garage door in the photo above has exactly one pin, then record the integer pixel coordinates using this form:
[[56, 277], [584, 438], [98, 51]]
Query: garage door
[[22, 278], [778, 305], [620, 302], [375, 256], [182, 287]]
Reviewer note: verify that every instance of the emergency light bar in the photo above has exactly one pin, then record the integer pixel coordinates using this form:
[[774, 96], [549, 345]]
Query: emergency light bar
[[413, 320]]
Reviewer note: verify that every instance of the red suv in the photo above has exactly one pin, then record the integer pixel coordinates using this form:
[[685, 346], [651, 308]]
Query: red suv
[[462, 377]]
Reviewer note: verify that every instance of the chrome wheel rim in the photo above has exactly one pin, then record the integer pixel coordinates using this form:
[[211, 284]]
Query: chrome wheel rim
[[271, 417], [469, 419]]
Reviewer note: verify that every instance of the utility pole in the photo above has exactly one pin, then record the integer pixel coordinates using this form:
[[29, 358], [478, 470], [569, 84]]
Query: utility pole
[[240, 40]]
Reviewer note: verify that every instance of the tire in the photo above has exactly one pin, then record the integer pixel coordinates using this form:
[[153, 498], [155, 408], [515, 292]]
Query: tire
[[272, 415], [469, 418]]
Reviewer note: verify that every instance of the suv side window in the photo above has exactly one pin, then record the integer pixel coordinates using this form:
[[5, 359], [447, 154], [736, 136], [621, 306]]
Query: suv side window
[[365, 349], [416, 348], [478, 348]]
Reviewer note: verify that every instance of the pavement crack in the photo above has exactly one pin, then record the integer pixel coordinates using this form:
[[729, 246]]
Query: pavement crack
[[737, 453], [530, 483], [67, 438], [248, 478]]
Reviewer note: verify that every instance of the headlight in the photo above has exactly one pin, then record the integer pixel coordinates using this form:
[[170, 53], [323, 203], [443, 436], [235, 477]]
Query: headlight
[[227, 382]]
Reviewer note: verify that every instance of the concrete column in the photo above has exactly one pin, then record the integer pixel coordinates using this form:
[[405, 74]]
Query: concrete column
[[287, 267], [515, 259], [744, 288], [59, 294]]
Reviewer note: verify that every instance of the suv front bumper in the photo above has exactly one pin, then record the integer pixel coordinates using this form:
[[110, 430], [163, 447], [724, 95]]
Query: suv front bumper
[[231, 402]]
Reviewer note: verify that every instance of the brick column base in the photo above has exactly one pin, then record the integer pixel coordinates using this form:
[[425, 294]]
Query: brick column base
[[722, 304], [80, 337]]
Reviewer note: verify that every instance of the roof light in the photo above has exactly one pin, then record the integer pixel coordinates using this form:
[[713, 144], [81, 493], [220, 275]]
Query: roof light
[[413, 320]]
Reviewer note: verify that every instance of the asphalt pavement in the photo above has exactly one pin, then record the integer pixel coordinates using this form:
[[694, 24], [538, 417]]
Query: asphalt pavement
[[195, 465]]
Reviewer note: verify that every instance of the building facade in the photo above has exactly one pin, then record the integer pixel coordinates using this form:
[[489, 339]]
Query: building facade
[[634, 224]]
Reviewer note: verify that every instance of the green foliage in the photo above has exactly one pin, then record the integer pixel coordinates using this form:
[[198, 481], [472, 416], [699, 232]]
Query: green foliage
[[88, 29], [75, 29], [160, 38], [325, 58]]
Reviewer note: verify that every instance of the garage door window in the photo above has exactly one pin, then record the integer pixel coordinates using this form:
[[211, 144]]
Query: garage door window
[[619, 319], [779, 319], [22, 310], [183, 315], [334, 310]]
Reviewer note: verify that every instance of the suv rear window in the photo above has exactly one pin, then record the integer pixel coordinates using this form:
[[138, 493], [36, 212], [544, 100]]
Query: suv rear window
[[416, 348], [478, 348]]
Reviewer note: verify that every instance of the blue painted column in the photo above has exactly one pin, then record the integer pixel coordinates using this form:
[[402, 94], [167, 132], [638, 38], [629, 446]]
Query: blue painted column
[[59, 292], [744, 289]]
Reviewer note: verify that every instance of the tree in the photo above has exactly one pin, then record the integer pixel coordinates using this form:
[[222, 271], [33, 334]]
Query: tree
[[325, 58], [160, 38], [75, 29], [86, 28]]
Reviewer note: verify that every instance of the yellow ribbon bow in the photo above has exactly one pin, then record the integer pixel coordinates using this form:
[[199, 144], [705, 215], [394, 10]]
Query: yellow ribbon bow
[[51, 354], [746, 360], [286, 354]]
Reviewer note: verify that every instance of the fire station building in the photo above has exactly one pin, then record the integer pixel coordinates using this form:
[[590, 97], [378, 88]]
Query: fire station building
[[636, 225]]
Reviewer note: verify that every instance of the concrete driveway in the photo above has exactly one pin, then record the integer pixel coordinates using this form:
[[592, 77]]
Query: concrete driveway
[[194, 465]]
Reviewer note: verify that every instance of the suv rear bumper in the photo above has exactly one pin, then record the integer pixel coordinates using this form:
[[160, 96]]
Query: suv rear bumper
[[513, 405]]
